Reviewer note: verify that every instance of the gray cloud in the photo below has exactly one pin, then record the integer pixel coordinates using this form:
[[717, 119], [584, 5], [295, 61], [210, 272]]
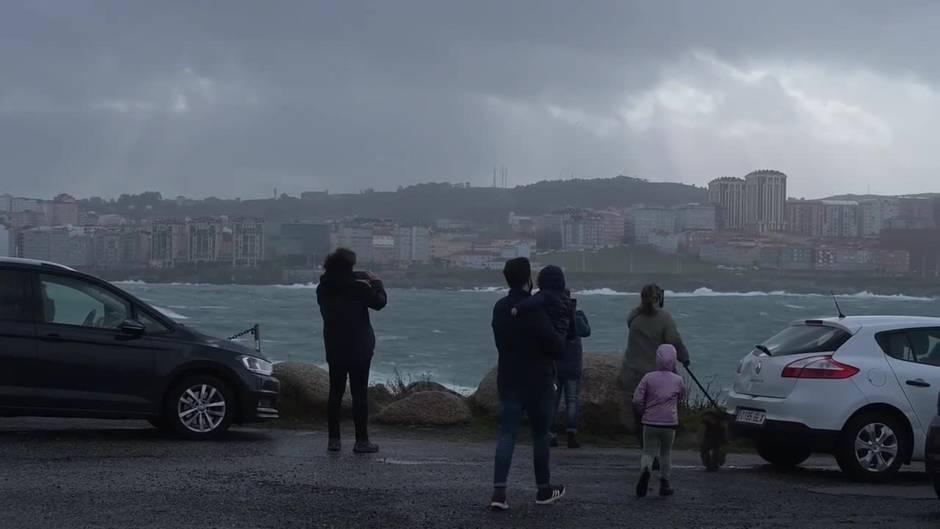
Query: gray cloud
[[238, 97]]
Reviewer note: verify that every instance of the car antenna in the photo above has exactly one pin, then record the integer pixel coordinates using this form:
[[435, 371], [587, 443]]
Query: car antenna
[[836, 301]]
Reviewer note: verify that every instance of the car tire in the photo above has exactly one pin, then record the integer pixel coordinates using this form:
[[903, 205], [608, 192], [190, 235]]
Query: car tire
[[782, 455], [936, 483], [200, 407], [872, 447]]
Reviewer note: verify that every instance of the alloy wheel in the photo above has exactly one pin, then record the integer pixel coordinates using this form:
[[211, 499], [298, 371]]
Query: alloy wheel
[[876, 447], [201, 408]]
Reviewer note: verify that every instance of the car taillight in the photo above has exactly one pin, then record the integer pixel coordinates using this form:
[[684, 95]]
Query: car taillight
[[819, 367]]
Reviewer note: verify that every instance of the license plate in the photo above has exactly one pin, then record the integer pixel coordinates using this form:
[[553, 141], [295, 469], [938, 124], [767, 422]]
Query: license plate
[[750, 417]]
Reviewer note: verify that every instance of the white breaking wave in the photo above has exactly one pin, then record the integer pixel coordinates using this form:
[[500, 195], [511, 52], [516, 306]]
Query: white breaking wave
[[129, 282], [484, 289], [171, 314], [705, 292], [870, 295], [601, 292], [298, 286]]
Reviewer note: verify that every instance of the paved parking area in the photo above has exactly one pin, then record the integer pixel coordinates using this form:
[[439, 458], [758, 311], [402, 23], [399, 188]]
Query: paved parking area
[[97, 474]]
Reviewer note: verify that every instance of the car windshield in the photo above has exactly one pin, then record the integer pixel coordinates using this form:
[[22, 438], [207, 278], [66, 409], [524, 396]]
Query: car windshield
[[801, 339]]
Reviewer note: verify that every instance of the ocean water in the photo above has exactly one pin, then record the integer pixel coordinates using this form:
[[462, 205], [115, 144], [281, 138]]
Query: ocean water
[[445, 334]]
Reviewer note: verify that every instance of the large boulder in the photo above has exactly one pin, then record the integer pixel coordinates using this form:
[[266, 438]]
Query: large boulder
[[427, 385], [603, 406], [380, 395], [305, 390], [486, 398], [427, 408]]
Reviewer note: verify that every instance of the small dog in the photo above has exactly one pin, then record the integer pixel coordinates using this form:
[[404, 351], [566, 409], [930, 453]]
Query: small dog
[[714, 439]]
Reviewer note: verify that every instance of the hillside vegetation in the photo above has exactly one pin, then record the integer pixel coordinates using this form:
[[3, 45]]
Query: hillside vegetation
[[421, 203]]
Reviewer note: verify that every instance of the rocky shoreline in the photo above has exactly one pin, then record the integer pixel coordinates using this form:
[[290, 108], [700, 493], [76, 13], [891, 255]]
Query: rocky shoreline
[[305, 391]]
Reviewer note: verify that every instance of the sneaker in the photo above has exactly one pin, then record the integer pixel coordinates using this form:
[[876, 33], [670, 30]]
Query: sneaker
[[335, 445], [499, 502], [365, 447], [553, 442], [664, 488], [642, 486], [549, 495], [573, 440]]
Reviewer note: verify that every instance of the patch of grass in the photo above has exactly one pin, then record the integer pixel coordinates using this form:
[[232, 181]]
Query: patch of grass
[[398, 384], [694, 404]]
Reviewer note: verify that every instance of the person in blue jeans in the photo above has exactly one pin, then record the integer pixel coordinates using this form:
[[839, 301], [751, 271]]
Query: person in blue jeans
[[528, 346], [569, 367]]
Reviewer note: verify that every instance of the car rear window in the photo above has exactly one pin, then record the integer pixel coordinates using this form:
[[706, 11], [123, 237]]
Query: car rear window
[[801, 339]]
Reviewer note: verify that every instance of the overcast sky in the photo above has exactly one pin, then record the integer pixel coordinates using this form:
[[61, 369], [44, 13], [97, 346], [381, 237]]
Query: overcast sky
[[236, 97]]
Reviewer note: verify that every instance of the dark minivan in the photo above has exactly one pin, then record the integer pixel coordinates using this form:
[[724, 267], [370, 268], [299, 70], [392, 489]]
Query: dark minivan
[[72, 345]]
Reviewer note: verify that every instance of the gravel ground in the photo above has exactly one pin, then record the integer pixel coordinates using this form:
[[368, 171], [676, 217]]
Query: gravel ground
[[77, 474]]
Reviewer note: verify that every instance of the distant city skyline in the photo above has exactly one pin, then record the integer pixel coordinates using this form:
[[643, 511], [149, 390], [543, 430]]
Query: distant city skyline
[[102, 97], [277, 193]]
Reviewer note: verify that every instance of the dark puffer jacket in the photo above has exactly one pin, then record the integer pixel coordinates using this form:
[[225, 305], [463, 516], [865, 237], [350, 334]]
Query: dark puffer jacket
[[571, 359], [553, 298], [344, 304]]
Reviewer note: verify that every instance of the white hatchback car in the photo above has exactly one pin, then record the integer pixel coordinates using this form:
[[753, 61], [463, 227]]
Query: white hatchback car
[[861, 388]]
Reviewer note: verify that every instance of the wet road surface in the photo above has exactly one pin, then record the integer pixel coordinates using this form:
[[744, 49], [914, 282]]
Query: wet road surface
[[96, 474]]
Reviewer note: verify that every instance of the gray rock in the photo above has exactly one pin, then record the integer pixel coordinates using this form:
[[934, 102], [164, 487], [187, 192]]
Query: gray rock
[[380, 395], [603, 406], [427, 385], [305, 390], [485, 399], [427, 408]]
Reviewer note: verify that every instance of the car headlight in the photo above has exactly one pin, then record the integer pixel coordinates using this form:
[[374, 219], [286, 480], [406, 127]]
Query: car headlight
[[257, 365]]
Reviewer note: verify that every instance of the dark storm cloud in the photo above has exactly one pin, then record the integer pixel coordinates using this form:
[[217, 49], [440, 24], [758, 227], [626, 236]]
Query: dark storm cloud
[[238, 97]]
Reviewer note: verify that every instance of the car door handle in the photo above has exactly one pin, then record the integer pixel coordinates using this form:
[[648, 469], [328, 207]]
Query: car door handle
[[52, 337], [918, 383]]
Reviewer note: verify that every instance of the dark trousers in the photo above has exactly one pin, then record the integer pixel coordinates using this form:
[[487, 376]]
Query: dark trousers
[[539, 404], [570, 388], [358, 375]]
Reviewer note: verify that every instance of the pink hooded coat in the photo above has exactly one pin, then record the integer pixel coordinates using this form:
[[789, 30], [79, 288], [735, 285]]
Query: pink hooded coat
[[658, 393]]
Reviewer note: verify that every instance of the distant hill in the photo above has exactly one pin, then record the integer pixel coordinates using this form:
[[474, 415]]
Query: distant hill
[[873, 197], [421, 203]]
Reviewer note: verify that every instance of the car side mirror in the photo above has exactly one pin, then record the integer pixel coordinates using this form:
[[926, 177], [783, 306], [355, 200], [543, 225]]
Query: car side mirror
[[132, 327]]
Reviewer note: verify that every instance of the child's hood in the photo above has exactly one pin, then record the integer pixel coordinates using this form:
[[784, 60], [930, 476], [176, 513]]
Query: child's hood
[[666, 358], [551, 278]]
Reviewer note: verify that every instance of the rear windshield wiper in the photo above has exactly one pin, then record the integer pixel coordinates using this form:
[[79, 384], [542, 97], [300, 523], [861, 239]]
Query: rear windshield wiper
[[763, 349]]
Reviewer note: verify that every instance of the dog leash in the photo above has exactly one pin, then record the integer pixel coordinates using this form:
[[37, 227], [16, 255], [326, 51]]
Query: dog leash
[[701, 387]]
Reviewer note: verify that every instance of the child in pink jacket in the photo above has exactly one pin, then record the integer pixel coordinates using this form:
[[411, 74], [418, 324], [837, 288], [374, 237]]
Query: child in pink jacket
[[657, 399]]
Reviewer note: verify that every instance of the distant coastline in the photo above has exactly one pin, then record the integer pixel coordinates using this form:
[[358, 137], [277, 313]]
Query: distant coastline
[[715, 283]]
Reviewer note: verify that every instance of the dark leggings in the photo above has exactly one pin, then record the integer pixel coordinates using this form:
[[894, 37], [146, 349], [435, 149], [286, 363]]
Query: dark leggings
[[358, 375]]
